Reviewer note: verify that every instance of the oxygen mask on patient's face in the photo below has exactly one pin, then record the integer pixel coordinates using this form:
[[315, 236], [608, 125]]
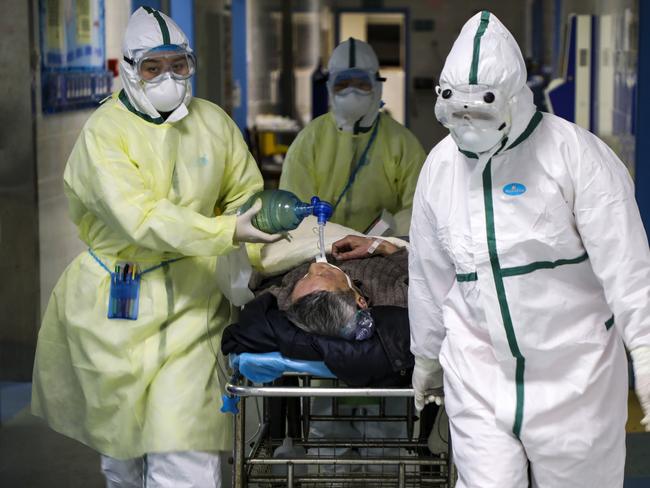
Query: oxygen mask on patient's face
[[361, 328]]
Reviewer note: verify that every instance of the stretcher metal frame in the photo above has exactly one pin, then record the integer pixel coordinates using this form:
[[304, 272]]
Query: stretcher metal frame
[[247, 467]]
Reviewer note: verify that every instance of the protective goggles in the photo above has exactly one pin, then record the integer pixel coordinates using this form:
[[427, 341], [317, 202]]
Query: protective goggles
[[154, 64], [354, 78], [479, 106]]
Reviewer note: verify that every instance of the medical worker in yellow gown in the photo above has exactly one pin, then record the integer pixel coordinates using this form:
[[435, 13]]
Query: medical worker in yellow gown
[[354, 156], [150, 172]]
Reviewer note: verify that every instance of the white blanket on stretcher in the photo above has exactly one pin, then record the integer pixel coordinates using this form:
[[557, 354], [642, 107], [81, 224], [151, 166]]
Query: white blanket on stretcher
[[302, 246]]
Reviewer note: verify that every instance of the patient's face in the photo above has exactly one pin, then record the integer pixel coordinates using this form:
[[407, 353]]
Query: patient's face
[[320, 277]]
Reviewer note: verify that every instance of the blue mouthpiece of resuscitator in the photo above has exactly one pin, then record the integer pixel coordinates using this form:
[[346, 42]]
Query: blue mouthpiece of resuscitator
[[321, 209]]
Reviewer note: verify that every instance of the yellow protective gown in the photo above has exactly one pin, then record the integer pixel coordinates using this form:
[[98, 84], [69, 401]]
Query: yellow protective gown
[[322, 157], [147, 193]]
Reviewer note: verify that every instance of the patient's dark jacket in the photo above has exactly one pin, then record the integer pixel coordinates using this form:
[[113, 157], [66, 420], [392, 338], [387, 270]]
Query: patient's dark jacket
[[380, 361]]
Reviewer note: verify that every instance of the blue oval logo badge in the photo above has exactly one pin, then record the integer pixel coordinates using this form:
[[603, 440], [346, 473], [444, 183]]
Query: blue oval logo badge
[[514, 189]]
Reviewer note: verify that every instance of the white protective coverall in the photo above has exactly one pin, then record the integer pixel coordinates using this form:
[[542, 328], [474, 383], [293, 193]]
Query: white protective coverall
[[528, 264], [147, 190]]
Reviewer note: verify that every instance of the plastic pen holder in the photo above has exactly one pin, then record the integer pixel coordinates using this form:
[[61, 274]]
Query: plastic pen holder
[[124, 297]]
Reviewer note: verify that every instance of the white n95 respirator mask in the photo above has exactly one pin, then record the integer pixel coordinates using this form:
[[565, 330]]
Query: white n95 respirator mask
[[477, 116], [167, 94]]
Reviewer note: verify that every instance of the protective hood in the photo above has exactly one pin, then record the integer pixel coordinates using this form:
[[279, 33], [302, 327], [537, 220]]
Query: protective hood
[[148, 29], [486, 53], [354, 53]]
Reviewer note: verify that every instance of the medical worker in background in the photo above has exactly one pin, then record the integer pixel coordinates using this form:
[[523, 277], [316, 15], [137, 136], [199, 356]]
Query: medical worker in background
[[356, 157], [152, 183], [529, 270]]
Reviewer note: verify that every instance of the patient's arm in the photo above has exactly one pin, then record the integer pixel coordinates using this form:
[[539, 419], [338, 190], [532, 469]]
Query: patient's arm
[[358, 247]]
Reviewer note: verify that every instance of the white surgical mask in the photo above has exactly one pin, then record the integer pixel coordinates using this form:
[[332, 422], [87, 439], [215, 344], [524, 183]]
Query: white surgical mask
[[167, 94], [351, 107], [476, 140]]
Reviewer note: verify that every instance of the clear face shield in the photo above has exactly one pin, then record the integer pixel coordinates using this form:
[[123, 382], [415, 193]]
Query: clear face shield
[[152, 66], [477, 116]]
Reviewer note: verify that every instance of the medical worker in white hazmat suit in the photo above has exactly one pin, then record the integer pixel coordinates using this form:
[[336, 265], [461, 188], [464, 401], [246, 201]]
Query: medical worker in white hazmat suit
[[529, 271]]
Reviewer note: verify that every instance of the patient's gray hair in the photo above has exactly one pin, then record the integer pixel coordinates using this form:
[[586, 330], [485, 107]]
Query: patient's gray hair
[[327, 313]]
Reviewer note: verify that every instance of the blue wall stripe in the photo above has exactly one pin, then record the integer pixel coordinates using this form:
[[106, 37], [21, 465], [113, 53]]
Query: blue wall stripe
[[642, 170], [136, 4], [182, 11]]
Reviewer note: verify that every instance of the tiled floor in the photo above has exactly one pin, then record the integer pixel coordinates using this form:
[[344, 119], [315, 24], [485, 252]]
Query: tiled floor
[[32, 455]]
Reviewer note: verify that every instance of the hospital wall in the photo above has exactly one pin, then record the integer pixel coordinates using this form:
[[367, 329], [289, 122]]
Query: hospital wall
[[18, 212], [37, 238]]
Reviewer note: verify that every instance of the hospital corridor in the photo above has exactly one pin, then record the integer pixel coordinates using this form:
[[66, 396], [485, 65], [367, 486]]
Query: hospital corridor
[[325, 244]]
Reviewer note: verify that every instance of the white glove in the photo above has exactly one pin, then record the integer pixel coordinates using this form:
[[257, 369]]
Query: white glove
[[427, 382], [641, 363], [246, 232]]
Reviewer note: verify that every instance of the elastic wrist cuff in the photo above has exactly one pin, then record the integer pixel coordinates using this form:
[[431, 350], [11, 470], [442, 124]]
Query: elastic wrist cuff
[[641, 359], [426, 363]]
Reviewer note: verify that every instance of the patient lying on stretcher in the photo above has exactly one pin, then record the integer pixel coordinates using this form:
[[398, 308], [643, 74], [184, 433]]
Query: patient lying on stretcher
[[350, 314], [325, 301]]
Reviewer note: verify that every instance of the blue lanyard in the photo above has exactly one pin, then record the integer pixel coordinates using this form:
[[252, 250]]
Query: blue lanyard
[[153, 268], [360, 164]]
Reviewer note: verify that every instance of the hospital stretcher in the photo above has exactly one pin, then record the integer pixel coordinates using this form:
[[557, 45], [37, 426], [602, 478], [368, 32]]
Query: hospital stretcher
[[378, 462]]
